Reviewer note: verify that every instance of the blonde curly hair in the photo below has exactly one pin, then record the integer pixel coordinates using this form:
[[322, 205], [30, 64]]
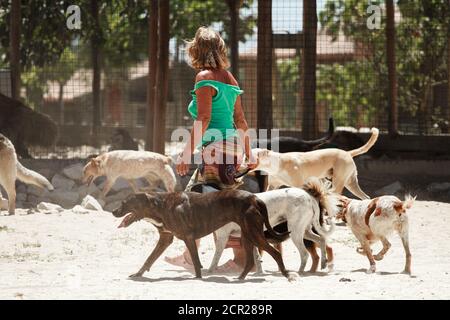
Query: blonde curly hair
[[207, 50]]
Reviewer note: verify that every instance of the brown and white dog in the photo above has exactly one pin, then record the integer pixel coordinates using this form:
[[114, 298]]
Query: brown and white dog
[[374, 220], [294, 168], [130, 165]]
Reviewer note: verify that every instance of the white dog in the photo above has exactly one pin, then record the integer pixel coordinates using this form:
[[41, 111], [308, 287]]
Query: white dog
[[301, 209], [374, 220], [130, 165], [294, 168], [11, 169]]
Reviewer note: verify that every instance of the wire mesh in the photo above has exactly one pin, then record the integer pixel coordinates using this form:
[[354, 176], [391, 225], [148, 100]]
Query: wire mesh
[[351, 74]]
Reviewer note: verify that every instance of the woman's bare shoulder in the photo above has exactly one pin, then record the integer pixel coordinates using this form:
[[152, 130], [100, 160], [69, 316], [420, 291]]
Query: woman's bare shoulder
[[232, 79], [204, 75], [225, 77]]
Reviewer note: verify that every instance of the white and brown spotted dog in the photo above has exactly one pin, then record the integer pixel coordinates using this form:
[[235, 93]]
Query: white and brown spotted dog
[[375, 220]]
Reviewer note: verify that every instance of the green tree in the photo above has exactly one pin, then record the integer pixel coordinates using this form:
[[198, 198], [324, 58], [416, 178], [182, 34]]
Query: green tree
[[187, 16], [44, 37], [44, 32], [422, 32]]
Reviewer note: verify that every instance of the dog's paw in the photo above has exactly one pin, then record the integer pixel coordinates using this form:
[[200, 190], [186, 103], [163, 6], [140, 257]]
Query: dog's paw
[[292, 277], [259, 273], [372, 269], [331, 267], [378, 257], [405, 271], [136, 275], [209, 271]]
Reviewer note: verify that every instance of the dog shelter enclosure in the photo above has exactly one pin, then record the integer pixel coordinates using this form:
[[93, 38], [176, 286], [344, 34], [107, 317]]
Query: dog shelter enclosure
[[81, 77], [95, 66]]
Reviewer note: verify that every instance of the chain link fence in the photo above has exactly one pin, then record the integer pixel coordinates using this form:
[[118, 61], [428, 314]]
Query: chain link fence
[[351, 73]]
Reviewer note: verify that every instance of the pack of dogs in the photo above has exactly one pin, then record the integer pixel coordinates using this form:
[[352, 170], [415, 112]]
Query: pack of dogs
[[301, 200]]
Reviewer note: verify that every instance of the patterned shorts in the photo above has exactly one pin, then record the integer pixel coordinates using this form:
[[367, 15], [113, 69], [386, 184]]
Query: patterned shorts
[[221, 161]]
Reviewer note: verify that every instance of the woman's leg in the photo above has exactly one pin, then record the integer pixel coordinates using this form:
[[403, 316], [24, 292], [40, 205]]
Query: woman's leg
[[239, 256], [236, 264], [184, 260]]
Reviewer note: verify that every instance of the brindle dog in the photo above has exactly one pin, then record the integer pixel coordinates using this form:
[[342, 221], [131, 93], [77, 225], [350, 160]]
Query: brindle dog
[[190, 216]]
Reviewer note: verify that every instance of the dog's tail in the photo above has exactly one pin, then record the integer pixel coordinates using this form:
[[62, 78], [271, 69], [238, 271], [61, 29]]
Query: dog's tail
[[320, 228], [367, 146], [275, 235], [279, 228], [328, 202], [323, 139], [31, 177], [409, 201]]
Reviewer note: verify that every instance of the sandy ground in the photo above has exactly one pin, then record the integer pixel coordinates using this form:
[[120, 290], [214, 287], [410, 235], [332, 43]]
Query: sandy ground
[[84, 256]]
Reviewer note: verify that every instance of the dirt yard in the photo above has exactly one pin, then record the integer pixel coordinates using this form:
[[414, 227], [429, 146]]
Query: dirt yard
[[84, 256]]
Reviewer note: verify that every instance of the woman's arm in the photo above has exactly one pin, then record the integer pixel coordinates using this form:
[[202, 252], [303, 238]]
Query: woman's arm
[[204, 105], [241, 123]]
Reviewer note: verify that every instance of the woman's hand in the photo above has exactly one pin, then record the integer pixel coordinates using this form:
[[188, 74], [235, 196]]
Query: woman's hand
[[182, 166]]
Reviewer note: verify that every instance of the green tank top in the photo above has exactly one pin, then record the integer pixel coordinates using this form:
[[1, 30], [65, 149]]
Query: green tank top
[[222, 110]]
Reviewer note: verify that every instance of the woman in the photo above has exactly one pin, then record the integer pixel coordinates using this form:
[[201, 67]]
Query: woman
[[217, 112]]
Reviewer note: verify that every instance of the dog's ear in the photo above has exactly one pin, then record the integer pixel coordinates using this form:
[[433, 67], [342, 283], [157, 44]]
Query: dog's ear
[[371, 209], [398, 206], [153, 200], [97, 162], [94, 162], [263, 153], [260, 154]]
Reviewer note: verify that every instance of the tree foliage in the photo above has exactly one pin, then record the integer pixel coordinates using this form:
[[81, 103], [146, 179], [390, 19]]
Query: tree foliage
[[187, 16], [422, 33], [46, 41], [44, 34]]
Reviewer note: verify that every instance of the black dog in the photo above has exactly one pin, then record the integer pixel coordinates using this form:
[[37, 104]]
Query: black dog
[[122, 140], [190, 216], [25, 127], [291, 144]]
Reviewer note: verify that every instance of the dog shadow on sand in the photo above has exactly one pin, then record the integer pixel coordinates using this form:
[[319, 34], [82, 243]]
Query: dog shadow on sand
[[298, 275], [384, 273], [225, 278]]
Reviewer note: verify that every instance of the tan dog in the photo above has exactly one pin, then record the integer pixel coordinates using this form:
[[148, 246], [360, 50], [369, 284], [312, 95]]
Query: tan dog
[[130, 165], [11, 169], [374, 220], [294, 168]]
